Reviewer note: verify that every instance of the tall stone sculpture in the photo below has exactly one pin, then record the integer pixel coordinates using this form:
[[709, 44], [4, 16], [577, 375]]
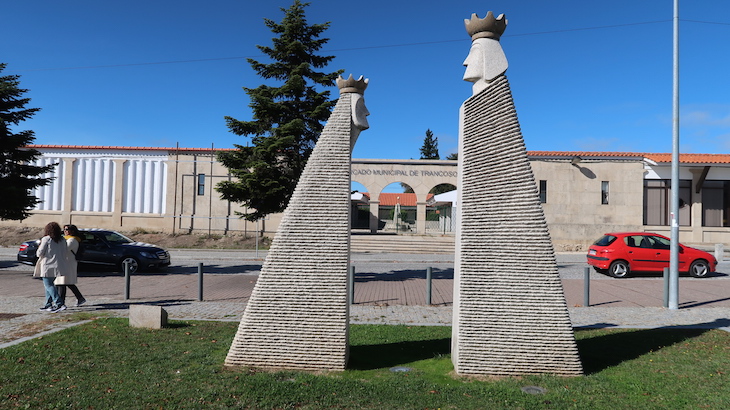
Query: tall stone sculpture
[[510, 314], [297, 316]]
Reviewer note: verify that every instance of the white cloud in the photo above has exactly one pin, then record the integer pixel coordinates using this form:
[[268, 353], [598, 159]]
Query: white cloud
[[705, 116]]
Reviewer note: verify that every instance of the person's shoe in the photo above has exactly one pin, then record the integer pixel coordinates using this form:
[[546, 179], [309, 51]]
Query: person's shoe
[[47, 308], [80, 302], [59, 309]]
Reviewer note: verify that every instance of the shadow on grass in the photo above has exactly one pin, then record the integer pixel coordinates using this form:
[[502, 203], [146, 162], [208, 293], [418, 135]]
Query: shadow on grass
[[176, 325], [598, 352], [605, 351], [369, 357]]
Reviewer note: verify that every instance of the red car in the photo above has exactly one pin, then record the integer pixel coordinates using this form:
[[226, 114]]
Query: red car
[[621, 253]]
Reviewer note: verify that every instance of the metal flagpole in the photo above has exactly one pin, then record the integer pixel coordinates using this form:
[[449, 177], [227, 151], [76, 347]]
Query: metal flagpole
[[674, 244]]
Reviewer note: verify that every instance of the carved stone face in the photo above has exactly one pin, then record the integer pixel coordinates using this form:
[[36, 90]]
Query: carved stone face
[[474, 64], [359, 117], [485, 62], [360, 112]]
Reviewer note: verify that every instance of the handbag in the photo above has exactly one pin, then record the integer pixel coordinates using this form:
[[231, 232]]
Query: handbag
[[37, 268]]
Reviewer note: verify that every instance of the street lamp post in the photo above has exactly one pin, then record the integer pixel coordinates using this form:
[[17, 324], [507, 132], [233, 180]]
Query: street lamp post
[[673, 302]]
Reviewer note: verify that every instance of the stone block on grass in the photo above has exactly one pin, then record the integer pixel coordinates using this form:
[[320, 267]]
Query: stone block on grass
[[152, 317]]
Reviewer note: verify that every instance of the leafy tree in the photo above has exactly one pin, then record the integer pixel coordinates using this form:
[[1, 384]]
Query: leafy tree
[[17, 176], [453, 156], [441, 188], [287, 119], [430, 148]]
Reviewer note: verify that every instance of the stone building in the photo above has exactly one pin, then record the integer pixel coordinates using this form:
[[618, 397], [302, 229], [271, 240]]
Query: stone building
[[128, 188], [584, 194]]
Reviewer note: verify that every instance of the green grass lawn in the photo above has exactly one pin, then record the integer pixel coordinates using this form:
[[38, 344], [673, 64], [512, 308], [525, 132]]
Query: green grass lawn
[[106, 364]]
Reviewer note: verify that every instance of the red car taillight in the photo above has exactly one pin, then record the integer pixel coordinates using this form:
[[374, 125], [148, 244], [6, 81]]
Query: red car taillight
[[23, 247]]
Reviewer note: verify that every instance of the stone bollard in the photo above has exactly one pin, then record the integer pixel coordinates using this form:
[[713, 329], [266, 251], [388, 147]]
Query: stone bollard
[[153, 317], [719, 252]]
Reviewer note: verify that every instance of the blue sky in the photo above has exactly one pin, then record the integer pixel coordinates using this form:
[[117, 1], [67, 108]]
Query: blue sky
[[585, 75]]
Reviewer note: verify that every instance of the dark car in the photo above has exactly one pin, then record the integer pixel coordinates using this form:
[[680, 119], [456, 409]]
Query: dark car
[[623, 252], [103, 248]]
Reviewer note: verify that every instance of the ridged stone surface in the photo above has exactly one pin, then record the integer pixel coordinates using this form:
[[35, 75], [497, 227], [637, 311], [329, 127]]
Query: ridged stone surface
[[510, 314], [297, 316]]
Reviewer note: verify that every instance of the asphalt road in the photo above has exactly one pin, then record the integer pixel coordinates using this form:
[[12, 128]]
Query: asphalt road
[[186, 261], [382, 278]]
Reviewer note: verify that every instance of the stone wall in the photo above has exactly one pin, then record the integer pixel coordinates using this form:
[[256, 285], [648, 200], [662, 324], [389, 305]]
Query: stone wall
[[573, 207]]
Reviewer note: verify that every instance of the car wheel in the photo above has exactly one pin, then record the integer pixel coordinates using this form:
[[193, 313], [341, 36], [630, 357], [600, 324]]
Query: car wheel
[[619, 269], [699, 268], [132, 261]]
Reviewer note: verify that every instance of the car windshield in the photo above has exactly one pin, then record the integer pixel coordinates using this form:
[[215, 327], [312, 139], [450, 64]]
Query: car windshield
[[116, 238], [605, 240]]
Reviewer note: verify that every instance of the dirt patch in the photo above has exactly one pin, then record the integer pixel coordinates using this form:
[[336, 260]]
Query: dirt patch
[[199, 241], [13, 236], [49, 322]]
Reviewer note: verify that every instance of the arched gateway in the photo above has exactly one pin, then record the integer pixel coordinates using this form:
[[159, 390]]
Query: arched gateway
[[421, 175]]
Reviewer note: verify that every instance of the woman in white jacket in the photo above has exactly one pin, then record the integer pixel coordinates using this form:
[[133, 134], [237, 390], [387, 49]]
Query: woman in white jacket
[[52, 262], [73, 242]]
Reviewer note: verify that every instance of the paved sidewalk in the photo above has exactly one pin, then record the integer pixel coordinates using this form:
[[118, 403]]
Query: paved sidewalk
[[28, 321]]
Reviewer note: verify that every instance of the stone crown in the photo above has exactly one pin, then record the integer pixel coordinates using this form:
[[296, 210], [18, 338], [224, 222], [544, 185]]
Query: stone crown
[[350, 85], [488, 27]]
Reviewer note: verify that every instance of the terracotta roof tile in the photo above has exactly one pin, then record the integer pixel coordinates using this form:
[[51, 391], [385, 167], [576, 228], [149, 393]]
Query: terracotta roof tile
[[691, 158], [390, 199], [584, 154], [656, 157]]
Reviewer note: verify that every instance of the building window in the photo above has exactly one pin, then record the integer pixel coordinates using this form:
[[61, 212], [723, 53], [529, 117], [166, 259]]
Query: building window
[[201, 184], [716, 203], [657, 201], [543, 191], [604, 192]]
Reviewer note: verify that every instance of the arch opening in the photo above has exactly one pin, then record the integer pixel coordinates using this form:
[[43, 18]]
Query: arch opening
[[360, 214], [441, 210], [398, 211]]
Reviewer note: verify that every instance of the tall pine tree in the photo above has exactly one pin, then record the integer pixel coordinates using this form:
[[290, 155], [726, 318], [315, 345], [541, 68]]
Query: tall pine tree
[[17, 175], [430, 148], [287, 119]]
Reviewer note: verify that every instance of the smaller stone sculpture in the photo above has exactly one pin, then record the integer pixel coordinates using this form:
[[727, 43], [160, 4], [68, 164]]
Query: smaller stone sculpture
[[298, 314]]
